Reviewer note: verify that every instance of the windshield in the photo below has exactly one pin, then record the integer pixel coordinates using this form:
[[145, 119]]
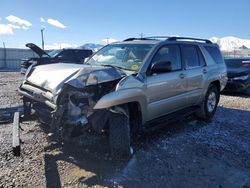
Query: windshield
[[124, 56], [54, 53]]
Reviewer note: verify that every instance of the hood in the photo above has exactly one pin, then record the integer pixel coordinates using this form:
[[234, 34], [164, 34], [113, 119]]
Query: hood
[[52, 77], [36, 49]]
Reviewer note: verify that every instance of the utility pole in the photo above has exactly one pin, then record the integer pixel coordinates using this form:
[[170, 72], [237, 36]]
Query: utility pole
[[5, 56], [142, 35], [107, 40], [42, 38]]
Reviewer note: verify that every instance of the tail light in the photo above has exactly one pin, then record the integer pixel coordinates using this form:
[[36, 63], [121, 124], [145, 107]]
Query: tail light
[[246, 64]]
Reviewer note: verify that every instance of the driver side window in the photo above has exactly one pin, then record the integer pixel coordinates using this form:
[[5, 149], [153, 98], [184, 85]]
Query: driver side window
[[169, 53]]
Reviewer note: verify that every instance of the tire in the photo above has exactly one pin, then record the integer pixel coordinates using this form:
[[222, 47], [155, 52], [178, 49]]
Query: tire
[[208, 108], [119, 136]]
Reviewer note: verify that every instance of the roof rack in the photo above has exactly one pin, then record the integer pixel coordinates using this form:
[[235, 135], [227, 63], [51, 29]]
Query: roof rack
[[147, 38], [132, 39], [157, 37], [169, 39], [188, 38]]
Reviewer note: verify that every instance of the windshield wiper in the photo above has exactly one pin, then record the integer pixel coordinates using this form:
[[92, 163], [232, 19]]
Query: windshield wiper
[[114, 66]]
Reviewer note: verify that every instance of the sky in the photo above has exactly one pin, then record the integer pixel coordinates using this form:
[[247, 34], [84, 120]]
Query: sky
[[76, 22]]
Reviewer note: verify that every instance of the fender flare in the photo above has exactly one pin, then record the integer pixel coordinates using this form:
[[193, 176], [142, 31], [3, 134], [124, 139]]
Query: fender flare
[[123, 97]]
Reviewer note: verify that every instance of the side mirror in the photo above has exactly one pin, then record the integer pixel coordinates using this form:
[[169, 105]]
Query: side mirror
[[161, 67]]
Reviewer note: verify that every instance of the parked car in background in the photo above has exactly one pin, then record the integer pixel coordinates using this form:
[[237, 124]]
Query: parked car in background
[[128, 87], [76, 56], [238, 72]]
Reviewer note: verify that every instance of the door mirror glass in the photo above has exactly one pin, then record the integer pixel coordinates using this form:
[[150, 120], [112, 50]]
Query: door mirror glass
[[161, 67]]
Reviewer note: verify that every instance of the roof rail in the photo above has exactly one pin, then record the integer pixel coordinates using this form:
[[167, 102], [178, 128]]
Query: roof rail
[[131, 39], [188, 38], [169, 39], [157, 37], [147, 38]]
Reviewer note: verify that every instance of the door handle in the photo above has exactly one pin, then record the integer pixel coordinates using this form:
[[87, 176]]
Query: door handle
[[182, 76], [204, 71]]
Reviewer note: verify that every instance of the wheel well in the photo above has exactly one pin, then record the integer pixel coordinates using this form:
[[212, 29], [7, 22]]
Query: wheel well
[[217, 84], [135, 116]]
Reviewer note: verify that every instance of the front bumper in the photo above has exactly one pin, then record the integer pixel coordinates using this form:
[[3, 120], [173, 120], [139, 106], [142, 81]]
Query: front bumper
[[37, 94]]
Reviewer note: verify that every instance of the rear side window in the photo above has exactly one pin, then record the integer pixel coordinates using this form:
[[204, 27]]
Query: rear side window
[[190, 56], [214, 52]]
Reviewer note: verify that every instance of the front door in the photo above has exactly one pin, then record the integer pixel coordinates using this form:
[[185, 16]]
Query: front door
[[166, 91]]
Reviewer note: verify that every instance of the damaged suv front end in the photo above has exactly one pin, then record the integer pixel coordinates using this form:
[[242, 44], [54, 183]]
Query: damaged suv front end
[[65, 96]]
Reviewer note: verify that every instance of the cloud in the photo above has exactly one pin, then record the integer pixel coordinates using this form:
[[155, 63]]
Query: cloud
[[56, 23], [42, 19], [25, 28], [15, 20], [15, 23], [6, 29], [109, 40], [15, 26], [60, 46]]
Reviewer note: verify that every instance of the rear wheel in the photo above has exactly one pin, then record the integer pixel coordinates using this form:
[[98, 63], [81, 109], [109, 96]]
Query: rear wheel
[[119, 136], [209, 104]]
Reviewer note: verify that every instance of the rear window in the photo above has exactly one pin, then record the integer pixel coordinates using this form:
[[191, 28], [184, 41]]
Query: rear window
[[215, 54], [190, 56]]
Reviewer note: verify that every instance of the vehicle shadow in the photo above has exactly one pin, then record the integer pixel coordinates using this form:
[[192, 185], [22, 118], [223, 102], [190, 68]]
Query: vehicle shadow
[[235, 94], [86, 165], [89, 162], [90, 157]]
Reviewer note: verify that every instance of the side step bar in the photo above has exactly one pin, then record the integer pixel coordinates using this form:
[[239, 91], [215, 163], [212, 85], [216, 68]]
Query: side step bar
[[168, 119]]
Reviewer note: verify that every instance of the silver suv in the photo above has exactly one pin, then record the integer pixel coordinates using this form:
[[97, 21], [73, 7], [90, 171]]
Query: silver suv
[[128, 87]]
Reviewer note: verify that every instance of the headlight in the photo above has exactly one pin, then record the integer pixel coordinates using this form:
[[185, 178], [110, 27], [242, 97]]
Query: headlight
[[245, 77]]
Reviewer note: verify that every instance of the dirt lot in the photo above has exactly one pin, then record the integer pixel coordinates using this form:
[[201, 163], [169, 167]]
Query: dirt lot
[[185, 154]]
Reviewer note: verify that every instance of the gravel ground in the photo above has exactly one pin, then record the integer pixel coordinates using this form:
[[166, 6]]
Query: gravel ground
[[185, 154]]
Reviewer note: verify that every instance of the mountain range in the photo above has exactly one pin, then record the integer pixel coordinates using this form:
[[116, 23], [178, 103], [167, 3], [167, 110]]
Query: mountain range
[[92, 46], [231, 43], [227, 44]]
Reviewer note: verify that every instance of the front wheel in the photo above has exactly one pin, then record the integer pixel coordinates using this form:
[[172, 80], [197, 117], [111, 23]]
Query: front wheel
[[119, 136], [209, 105]]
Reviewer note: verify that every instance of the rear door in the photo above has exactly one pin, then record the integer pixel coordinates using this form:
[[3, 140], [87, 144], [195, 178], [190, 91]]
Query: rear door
[[166, 91], [196, 72]]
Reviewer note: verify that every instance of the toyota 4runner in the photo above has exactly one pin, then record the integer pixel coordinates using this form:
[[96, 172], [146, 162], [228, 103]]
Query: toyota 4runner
[[127, 87]]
